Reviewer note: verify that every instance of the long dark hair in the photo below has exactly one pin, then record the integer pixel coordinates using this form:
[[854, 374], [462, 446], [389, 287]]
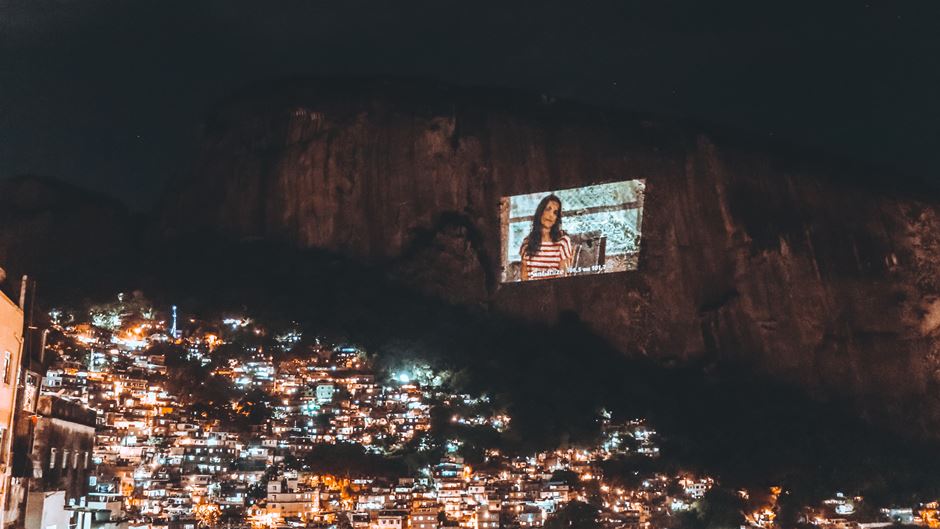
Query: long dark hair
[[534, 241]]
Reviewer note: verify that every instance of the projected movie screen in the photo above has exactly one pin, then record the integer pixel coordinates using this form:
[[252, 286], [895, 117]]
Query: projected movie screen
[[571, 232]]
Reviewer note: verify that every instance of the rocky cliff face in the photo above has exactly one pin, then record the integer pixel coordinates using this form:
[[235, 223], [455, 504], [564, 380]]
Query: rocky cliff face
[[800, 269]]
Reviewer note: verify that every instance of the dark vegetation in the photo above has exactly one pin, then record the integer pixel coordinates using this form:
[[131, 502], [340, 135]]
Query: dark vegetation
[[719, 509], [553, 380], [574, 515], [348, 460], [209, 395]]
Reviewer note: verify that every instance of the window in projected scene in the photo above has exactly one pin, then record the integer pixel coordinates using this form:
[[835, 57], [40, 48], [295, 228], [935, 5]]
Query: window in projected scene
[[570, 232]]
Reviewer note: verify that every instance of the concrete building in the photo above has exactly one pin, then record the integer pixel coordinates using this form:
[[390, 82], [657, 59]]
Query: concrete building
[[104, 508], [425, 517], [391, 519], [286, 500], [484, 518], [55, 446]]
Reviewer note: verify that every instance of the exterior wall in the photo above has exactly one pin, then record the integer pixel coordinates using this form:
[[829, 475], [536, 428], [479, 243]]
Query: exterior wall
[[46, 510], [424, 518], [54, 450], [11, 341], [64, 439]]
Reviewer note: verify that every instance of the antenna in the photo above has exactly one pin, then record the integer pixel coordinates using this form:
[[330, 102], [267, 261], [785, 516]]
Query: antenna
[[173, 330]]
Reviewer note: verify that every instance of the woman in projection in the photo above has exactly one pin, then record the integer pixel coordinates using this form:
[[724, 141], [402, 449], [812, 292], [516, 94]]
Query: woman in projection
[[546, 252]]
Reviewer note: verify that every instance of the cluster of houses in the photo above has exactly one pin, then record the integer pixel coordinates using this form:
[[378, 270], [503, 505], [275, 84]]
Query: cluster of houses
[[102, 437]]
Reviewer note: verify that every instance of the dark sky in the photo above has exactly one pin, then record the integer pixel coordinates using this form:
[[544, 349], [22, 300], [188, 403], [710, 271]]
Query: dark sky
[[110, 94]]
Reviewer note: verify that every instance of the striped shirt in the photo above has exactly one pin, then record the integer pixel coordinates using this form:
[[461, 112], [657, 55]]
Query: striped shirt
[[549, 261]]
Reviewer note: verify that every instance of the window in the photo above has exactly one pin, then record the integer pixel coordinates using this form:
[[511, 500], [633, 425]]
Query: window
[[86, 460], [65, 459], [52, 456], [75, 459]]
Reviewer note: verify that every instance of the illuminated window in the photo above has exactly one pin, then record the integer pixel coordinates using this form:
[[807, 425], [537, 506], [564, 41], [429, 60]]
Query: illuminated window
[[65, 460], [52, 456]]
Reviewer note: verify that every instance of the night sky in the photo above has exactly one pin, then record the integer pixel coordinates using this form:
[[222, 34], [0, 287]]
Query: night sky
[[111, 94]]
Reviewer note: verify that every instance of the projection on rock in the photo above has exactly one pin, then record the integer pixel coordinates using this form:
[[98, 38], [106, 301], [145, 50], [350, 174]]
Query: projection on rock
[[571, 232]]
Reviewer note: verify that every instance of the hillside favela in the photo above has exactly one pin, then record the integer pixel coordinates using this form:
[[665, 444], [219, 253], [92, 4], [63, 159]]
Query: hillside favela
[[121, 414]]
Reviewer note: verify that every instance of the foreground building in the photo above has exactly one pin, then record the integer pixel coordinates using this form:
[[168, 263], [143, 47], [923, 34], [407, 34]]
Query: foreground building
[[11, 347], [60, 439]]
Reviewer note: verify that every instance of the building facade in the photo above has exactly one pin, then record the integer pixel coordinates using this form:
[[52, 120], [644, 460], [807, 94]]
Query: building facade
[[11, 348]]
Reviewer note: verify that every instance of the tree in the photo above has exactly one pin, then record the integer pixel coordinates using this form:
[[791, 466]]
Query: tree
[[567, 477], [719, 509], [208, 514], [254, 407], [342, 521], [574, 515]]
